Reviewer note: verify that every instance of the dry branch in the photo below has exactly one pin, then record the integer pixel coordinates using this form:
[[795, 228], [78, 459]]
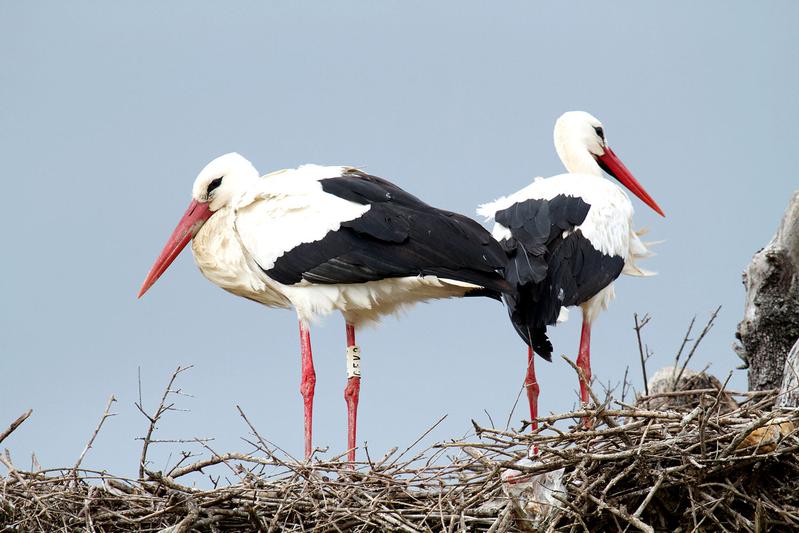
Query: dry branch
[[644, 355], [106, 414], [15, 424], [163, 408]]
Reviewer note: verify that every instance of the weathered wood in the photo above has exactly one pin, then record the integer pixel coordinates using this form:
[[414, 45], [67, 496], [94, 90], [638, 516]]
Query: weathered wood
[[770, 326], [789, 391]]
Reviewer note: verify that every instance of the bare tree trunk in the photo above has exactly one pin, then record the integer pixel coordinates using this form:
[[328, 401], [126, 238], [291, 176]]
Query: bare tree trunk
[[770, 326]]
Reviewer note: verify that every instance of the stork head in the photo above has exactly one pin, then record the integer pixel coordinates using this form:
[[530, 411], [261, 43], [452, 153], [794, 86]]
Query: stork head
[[223, 181], [582, 146]]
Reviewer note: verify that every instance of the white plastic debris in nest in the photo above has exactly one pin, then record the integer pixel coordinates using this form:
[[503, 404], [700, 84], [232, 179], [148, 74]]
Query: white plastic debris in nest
[[535, 494]]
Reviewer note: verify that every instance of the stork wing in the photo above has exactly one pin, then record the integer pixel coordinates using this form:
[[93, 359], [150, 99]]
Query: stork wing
[[550, 263], [393, 235]]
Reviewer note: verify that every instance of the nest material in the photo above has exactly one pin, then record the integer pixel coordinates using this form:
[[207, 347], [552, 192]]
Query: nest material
[[681, 469], [706, 388]]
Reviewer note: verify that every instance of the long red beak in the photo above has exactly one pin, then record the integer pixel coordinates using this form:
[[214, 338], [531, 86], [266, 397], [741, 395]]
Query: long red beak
[[189, 225], [613, 166]]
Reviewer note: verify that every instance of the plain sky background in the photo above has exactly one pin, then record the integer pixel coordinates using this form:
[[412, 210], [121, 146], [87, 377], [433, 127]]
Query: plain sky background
[[109, 110]]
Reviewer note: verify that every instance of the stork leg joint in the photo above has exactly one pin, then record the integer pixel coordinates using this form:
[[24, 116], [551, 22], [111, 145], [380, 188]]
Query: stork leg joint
[[308, 385]]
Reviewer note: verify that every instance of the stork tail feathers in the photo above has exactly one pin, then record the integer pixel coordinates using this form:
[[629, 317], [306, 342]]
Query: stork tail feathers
[[535, 338]]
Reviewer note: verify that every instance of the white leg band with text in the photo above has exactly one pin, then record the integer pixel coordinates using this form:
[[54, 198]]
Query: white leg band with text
[[353, 361]]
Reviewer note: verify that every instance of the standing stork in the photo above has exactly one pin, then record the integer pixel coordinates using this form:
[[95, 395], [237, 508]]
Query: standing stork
[[567, 238], [323, 238]]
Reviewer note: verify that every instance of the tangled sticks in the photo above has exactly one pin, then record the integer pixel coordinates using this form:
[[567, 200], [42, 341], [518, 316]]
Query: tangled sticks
[[690, 467]]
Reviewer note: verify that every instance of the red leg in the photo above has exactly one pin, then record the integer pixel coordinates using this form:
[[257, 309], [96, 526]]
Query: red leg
[[584, 360], [353, 390], [307, 384], [584, 363], [531, 384]]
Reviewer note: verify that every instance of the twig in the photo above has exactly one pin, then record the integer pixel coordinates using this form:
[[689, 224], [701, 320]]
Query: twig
[[601, 407], [686, 338], [15, 424], [649, 496], [513, 408], [625, 384], [162, 408], [698, 340], [639, 325], [186, 524], [423, 435], [635, 521], [263, 441], [106, 414]]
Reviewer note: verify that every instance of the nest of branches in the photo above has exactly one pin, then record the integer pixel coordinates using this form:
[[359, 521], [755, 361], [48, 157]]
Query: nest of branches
[[688, 455], [693, 466]]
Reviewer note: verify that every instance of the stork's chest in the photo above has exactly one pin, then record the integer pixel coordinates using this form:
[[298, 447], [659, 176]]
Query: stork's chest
[[223, 261]]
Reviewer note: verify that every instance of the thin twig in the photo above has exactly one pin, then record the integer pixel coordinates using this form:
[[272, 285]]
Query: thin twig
[[106, 414], [163, 407], [698, 340], [639, 325], [15, 424], [686, 338]]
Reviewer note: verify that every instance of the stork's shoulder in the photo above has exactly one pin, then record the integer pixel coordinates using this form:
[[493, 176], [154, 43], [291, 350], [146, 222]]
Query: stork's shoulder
[[303, 177], [577, 185], [309, 171], [594, 190], [597, 191], [291, 185], [290, 207], [586, 186], [489, 209]]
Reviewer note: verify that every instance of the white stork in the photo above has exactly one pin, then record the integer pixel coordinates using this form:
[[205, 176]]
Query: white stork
[[323, 238], [567, 238]]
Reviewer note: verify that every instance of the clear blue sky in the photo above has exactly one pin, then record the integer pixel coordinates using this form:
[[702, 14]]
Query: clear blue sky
[[108, 111]]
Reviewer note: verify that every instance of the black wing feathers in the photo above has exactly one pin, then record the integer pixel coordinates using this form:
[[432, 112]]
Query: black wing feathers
[[399, 236], [550, 270], [534, 224], [362, 188]]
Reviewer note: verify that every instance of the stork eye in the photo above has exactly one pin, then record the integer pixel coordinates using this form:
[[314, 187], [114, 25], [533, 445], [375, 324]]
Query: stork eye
[[213, 185], [599, 131]]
